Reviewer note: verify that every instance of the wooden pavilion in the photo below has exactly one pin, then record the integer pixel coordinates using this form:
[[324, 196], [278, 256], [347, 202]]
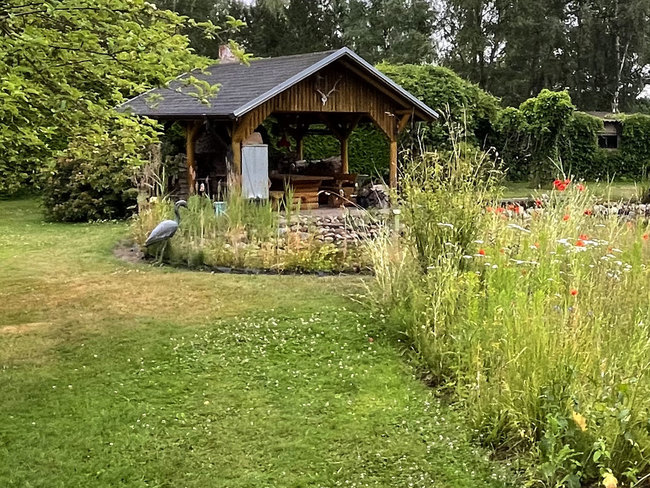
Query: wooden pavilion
[[335, 89]]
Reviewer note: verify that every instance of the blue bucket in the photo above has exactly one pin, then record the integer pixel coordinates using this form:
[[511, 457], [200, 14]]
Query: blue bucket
[[220, 208]]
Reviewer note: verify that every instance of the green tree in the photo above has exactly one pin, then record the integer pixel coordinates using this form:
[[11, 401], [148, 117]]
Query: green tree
[[473, 31], [216, 11], [596, 49], [397, 31], [610, 52], [292, 27], [65, 64]]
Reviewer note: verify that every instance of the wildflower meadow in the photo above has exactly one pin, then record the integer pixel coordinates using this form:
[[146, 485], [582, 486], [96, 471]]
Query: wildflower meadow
[[536, 321]]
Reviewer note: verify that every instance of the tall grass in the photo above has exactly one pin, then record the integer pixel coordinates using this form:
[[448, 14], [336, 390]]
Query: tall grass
[[539, 325], [248, 235]]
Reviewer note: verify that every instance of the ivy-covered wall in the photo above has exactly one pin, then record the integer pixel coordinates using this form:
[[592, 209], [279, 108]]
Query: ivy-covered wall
[[546, 134]]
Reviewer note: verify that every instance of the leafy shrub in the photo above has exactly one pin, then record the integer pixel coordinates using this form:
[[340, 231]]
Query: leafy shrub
[[636, 144], [368, 150], [460, 102], [538, 325], [529, 138], [579, 149], [546, 129], [93, 179]]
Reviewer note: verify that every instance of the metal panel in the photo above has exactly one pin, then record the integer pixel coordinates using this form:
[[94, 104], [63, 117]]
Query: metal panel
[[255, 171]]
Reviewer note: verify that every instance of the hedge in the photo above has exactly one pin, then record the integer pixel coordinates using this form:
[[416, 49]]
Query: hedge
[[545, 135], [467, 112], [368, 150]]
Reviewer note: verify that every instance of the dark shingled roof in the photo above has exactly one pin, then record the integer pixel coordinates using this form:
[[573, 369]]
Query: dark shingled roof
[[243, 88]]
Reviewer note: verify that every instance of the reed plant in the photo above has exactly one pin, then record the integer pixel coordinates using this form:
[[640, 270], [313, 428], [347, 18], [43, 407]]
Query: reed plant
[[537, 323]]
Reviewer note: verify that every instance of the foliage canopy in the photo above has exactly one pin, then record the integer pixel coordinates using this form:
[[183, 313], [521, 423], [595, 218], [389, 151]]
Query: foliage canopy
[[65, 65]]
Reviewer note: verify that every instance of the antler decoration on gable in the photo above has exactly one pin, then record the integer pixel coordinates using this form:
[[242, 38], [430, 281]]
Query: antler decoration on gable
[[325, 97]]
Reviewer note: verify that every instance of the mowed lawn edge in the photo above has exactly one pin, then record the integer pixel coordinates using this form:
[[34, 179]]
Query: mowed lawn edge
[[114, 374]]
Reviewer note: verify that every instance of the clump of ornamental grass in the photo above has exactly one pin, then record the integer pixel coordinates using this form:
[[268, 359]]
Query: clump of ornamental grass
[[537, 322]]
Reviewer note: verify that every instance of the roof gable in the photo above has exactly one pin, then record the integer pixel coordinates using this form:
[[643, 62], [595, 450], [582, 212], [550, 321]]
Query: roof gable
[[245, 87]]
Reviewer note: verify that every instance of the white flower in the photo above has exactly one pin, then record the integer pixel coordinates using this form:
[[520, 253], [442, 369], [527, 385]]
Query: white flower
[[518, 227]]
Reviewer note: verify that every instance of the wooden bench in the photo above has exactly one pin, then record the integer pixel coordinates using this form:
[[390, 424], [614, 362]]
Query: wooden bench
[[340, 191], [305, 187]]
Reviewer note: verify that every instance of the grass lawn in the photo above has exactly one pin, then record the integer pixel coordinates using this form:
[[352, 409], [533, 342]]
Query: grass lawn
[[115, 374], [617, 190]]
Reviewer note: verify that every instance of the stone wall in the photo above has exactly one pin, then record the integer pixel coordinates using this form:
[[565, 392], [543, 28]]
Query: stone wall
[[336, 229]]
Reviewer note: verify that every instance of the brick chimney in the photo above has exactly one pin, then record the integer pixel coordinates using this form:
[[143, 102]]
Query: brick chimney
[[226, 56]]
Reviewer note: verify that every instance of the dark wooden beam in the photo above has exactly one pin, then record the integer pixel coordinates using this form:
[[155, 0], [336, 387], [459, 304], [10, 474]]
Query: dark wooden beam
[[191, 130], [236, 161]]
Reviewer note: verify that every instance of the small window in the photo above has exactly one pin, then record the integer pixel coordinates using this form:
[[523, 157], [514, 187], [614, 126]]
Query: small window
[[608, 142]]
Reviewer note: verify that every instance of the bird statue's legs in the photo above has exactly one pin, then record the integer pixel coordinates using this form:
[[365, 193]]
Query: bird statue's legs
[[162, 253], [158, 259]]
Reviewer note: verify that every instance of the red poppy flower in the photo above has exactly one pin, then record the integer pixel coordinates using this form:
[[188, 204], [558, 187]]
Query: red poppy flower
[[489, 210], [536, 245], [580, 243], [499, 210], [581, 187], [561, 185], [502, 250], [538, 203], [588, 212], [583, 237], [574, 292], [645, 237], [481, 252], [566, 217]]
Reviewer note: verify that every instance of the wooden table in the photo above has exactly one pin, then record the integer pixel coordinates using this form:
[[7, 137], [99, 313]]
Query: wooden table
[[305, 187]]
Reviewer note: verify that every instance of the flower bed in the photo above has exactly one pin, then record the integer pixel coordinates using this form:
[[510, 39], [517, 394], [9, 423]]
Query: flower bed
[[251, 236]]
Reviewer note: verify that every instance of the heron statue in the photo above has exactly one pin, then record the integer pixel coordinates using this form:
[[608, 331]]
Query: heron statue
[[165, 230]]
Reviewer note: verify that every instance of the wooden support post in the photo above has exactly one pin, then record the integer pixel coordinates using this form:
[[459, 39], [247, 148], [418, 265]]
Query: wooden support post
[[191, 129], [345, 166], [300, 149], [393, 163], [236, 159]]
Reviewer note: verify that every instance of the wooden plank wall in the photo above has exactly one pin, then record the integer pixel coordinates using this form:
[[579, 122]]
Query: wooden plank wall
[[351, 94]]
